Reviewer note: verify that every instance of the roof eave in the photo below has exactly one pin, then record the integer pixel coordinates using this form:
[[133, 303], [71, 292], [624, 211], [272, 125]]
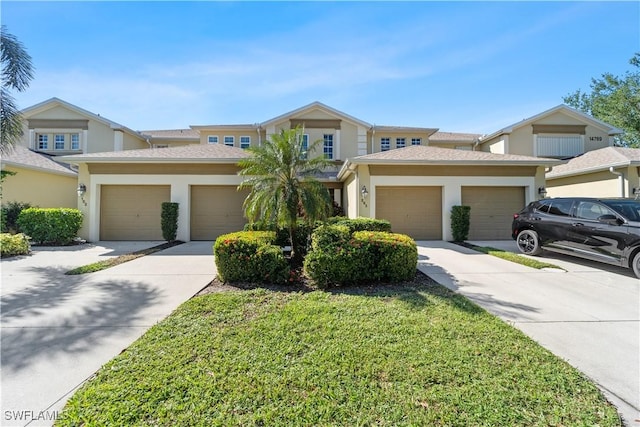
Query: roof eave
[[39, 169]]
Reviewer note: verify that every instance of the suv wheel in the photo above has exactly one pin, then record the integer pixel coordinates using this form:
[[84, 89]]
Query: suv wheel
[[635, 264], [529, 243]]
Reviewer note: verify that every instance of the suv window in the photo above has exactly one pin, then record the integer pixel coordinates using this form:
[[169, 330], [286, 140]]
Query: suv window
[[630, 209], [561, 207], [543, 205], [591, 210]]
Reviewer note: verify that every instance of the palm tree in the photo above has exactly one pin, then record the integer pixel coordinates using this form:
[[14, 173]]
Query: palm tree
[[281, 180], [17, 71]]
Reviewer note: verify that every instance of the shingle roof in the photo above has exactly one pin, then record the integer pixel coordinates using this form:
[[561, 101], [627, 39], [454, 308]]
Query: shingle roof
[[383, 128], [20, 156], [454, 137], [172, 134], [597, 160], [198, 153], [426, 154]]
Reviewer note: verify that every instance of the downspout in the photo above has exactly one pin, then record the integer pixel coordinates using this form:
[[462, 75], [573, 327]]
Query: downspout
[[146, 138], [620, 179]]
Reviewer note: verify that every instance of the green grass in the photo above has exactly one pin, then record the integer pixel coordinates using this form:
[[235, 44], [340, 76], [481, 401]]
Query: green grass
[[111, 262], [405, 355], [510, 256]]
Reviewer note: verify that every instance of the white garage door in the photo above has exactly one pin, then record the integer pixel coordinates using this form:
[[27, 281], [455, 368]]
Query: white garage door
[[415, 211], [492, 210], [132, 212]]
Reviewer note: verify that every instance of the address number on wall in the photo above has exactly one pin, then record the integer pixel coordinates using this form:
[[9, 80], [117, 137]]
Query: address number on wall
[[595, 138]]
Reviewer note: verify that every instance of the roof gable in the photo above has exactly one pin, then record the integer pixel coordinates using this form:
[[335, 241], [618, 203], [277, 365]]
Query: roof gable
[[308, 111], [597, 160], [559, 109]]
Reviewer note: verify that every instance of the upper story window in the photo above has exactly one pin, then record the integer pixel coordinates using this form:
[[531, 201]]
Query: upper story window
[[328, 146], [401, 142], [75, 141], [416, 141], [58, 143], [385, 144], [229, 141], [305, 146], [212, 139], [43, 142], [245, 142]]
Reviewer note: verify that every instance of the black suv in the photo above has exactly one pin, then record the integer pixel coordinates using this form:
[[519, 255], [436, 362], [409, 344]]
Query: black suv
[[605, 230]]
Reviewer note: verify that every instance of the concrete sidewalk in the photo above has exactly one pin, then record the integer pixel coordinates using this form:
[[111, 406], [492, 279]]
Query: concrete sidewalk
[[588, 316], [58, 330]]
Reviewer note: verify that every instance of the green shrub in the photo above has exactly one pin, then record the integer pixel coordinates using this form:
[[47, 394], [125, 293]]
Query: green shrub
[[460, 220], [14, 244], [361, 224], [302, 234], [338, 257], [250, 256], [58, 226], [169, 221], [10, 213]]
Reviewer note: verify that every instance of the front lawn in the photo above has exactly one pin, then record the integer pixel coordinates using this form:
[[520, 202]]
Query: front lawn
[[412, 354]]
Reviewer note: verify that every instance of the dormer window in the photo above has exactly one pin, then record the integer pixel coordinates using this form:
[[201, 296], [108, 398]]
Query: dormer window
[[43, 142], [58, 141]]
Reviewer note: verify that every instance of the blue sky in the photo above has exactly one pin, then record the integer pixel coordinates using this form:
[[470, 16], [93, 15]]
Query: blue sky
[[457, 66]]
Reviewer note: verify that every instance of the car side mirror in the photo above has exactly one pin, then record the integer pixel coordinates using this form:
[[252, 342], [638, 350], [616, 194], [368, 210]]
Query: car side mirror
[[609, 219]]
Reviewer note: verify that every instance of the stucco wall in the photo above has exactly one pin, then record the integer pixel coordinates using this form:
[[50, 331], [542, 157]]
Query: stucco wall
[[45, 190], [597, 184]]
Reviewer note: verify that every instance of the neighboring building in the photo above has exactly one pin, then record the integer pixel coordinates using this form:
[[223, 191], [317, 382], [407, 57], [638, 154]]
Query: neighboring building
[[607, 172], [409, 175]]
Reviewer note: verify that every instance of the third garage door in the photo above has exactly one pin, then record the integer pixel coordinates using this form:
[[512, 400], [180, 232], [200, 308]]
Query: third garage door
[[492, 210], [216, 210], [415, 211]]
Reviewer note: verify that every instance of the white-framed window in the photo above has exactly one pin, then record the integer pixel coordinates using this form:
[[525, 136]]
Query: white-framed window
[[58, 141], [416, 141], [212, 139], [75, 141], [229, 141], [305, 145], [401, 142], [245, 142], [43, 142], [385, 144], [328, 146]]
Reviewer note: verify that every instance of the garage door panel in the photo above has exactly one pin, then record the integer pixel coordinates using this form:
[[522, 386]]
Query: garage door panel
[[216, 210], [492, 210], [415, 211], [132, 212]]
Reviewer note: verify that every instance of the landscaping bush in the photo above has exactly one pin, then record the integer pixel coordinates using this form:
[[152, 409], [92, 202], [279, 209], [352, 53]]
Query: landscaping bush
[[302, 234], [57, 226], [338, 257], [460, 219], [250, 256], [10, 213], [14, 244], [361, 224], [169, 221]]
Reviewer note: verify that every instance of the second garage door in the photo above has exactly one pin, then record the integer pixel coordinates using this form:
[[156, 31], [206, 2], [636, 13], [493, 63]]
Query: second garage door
[[132, 212], [492, 210], [415, 211], [216, 210]]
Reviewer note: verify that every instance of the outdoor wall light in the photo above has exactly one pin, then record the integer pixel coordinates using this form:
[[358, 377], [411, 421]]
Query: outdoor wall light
[[542, 192], [364, 193], [636, 192], [81, 190]]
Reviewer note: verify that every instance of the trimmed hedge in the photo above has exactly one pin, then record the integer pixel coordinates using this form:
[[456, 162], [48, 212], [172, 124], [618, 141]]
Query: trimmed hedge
[[169, 220], [361, 224], [460, 222], [250, 256], [57, 226], [9, 216], [338, 257], [302, 234], [14, 244]]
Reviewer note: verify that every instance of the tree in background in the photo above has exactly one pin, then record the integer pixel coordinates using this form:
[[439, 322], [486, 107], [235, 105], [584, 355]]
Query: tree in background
[[17, 72], [280, 177], [614, 100]]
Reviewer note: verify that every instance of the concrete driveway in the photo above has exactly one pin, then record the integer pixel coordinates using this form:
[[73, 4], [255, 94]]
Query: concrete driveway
[[588, 316], [58, 330]]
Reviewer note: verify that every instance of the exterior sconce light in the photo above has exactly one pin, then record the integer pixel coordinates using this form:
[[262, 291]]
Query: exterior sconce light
[[542, 192], [364, 193], [636, 192], [81, 190]]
